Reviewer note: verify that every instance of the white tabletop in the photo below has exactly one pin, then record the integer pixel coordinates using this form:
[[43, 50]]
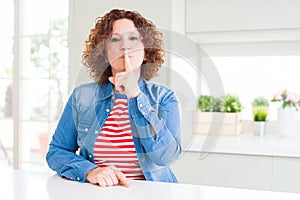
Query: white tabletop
[[24, 185]]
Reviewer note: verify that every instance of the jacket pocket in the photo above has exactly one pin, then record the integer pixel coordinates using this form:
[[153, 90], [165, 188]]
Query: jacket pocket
[[83, 128]]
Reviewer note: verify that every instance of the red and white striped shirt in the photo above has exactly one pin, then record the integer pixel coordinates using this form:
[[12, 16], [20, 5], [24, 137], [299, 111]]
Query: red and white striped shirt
[[114, 145]]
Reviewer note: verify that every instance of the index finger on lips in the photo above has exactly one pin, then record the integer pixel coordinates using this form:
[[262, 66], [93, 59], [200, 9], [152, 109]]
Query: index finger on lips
[[128, 66]]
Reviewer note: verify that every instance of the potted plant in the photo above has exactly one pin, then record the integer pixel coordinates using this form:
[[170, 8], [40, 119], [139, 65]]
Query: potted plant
[[260, 110], [287, 120], [218, 104], [218, 115], [205, 103], [231, 104]]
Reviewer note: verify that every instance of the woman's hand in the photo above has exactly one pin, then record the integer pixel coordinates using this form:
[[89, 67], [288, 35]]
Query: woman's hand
[[107, 176], [127, 82]]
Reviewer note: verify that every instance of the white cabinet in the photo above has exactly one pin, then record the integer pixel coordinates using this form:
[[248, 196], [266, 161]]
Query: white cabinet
[[240, 171], [286, 174]]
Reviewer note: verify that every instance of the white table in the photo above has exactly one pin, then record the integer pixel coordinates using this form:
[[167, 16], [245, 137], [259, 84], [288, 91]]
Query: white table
[[25, 185]]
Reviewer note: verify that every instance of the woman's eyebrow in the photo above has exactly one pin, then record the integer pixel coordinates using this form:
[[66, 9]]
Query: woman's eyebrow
[[116, 34], [127, 32]]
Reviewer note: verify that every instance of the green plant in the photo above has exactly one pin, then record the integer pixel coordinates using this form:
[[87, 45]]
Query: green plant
[[260, 101], [227, 103], [260, 113], [231, 104], [205, 103], [218, 104], [260, 106]]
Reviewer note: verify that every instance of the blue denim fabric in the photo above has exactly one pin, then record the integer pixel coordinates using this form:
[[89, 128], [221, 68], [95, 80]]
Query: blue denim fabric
[[156, 108]]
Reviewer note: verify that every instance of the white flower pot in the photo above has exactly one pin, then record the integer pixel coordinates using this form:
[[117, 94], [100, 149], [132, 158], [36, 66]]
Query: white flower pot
[[260, 128], [287, 121]]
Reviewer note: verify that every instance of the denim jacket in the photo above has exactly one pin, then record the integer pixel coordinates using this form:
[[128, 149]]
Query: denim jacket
[[155, 109]]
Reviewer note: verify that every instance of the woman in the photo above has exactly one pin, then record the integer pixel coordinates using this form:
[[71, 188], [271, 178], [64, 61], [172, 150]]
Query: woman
[[122, 126]]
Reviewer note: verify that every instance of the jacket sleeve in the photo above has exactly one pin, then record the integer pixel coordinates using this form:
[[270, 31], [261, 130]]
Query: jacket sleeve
[[62, 156], [164, 119]]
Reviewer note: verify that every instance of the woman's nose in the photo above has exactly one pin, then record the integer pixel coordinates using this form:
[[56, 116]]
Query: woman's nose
[[125, 45]]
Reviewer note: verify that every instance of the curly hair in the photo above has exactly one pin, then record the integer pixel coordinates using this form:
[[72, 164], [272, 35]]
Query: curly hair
[[94, 55]]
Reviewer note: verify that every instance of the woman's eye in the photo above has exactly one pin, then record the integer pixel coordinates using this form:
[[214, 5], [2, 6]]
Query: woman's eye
[[133, 38], [114, 39]]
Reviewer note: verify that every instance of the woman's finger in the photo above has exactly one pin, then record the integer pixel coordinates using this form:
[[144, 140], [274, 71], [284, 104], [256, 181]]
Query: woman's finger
[[101, 182], [112, 80], [108, 180], [128, 66], [114, 179], [122, 179]]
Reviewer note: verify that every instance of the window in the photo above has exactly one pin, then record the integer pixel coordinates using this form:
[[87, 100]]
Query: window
[[253, 76], [246, 70], [43, 76], [6, 79]]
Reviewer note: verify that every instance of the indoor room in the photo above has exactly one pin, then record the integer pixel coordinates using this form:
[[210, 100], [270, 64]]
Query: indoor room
[[219, 115]]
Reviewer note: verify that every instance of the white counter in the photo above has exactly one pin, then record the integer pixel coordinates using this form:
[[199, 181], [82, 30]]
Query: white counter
[[247, 144], [23, 185]]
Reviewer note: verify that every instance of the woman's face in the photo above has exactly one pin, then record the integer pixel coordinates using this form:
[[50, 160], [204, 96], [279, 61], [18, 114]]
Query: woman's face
[[125, 38]]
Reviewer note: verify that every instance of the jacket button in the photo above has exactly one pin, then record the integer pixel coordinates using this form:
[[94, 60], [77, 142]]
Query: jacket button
[[86, 129], [107, 110], [142, 159], [78, 179], [141, 105]]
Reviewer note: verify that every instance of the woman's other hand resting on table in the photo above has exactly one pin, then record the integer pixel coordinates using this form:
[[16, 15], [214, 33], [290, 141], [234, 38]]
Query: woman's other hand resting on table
[[107, 176]]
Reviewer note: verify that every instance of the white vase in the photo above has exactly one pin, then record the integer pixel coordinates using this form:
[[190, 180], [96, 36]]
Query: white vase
[[287, 121]]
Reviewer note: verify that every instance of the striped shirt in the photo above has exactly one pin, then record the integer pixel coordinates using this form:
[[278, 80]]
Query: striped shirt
[[114, 145]]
